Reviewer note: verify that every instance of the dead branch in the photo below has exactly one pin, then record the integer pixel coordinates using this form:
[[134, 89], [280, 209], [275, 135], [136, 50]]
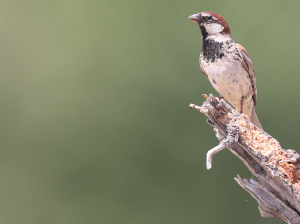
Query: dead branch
[[278, 170]]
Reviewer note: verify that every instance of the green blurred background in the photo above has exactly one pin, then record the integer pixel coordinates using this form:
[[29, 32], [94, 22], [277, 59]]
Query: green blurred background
[[95, 124]]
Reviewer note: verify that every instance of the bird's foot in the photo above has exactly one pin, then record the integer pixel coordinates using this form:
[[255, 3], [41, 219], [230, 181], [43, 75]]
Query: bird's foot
[[205, 96]]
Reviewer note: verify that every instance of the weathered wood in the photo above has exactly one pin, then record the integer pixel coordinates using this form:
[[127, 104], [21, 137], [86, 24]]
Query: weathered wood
[[278, 170]]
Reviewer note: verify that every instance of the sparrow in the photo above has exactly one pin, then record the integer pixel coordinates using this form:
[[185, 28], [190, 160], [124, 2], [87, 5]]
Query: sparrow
[[227, 64]]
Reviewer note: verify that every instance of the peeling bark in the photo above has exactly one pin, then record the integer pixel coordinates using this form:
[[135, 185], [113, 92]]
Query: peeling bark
[[278, 170]]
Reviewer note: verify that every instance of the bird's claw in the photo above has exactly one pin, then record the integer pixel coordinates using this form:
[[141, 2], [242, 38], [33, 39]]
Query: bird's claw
[[205, 96]]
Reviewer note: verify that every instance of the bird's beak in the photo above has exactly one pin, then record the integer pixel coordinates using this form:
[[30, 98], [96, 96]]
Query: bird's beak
[[196, 18]]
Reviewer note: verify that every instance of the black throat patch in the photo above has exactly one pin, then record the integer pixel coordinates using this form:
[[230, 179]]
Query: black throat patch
[[203, 32], [212, 50]]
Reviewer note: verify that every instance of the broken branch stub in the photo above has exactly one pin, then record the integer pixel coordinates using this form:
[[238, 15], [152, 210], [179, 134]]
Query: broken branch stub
[[278, 170]]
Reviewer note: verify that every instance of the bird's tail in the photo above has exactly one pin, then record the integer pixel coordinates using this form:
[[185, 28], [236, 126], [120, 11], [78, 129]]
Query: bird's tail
[[254, 119]]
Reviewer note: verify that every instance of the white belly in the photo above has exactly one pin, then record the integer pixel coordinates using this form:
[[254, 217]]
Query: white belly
[[230, 79]]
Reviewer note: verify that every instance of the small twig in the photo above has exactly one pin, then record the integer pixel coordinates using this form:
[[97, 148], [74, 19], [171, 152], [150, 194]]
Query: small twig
[[194, 106], [211, 152], [232, 137]]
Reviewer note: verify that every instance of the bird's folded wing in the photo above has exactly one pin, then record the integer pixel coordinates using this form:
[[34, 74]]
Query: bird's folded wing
[[247, 64]]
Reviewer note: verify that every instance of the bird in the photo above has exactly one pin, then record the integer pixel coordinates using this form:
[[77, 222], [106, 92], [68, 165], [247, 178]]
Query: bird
[[227, 64]]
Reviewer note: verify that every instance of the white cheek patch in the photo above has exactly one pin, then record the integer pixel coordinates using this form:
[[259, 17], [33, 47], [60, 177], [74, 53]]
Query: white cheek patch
[[214, 28]]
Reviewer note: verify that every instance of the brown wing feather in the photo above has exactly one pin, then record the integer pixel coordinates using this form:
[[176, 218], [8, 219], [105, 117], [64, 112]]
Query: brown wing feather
[[249, 68]]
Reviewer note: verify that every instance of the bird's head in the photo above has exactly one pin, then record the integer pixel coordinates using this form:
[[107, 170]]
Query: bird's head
[[211, 24]]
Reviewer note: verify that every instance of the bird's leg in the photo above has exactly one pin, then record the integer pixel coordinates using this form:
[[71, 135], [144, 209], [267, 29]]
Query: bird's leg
[[241, 111]]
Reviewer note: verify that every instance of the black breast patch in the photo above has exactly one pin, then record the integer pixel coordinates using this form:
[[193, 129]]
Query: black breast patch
[[212, 50]]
